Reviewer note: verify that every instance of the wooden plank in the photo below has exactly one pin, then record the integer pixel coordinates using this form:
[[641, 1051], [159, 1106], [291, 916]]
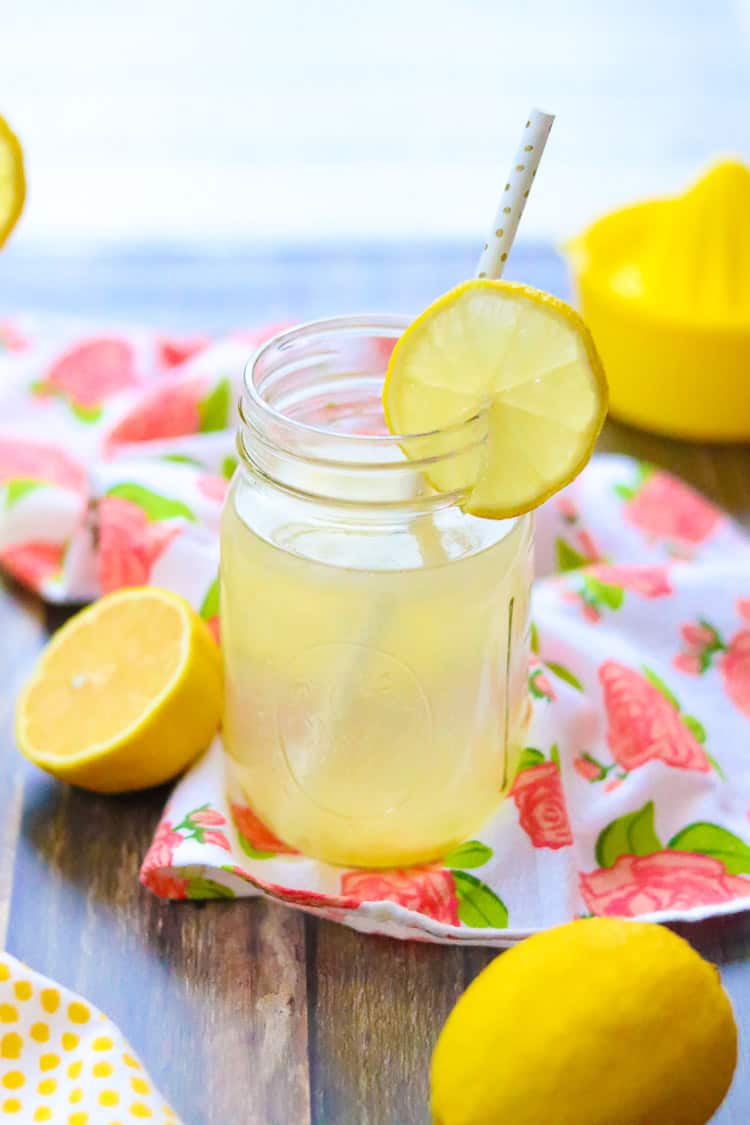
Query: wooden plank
[[23, 634], [213, 996], [377, 1006]]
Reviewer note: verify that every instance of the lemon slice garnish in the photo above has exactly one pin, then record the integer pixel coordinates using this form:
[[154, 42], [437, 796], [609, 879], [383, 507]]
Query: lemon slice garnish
[[524, 357]]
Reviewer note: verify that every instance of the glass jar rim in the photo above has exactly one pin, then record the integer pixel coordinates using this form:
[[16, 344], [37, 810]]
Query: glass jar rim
[[365, 324], [300, 368]]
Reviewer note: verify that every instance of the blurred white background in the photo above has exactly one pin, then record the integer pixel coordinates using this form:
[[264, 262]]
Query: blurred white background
[[223, 121]]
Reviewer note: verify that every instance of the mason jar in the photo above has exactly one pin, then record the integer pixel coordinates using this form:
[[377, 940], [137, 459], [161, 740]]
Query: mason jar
[[375, 636]]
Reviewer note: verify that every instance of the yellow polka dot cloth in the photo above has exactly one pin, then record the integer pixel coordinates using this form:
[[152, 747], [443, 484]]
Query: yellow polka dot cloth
[[64, 1062]]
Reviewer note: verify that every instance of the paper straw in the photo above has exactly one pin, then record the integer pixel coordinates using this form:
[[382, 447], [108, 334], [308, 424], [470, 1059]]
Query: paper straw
[[514, 196], [491, 264]]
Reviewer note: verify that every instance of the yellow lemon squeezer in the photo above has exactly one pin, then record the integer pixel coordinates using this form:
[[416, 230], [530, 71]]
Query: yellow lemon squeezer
[[664, 286]]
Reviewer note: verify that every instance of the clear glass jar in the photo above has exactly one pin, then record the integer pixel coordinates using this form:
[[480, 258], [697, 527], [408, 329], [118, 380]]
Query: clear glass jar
[[375, 636]]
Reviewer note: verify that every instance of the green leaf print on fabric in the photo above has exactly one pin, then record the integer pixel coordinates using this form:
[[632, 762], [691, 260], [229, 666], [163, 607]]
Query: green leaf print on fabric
[[660, 686], [564, 674], [530, 757], [15, 490], [472, 853], [207, 888], [478, 906], [696, 726], [210, 604], [624, 491], [214, 409], [633, 834], [87, 414], [643, 470], [228, 465], [250, 851], [155, 506], [711, 839], [599, 593], [181, 459], [567, 557], [715, 765]]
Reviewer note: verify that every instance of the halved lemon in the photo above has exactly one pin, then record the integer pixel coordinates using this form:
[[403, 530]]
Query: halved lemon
[[125, 695], [524, 357], [12, 180]]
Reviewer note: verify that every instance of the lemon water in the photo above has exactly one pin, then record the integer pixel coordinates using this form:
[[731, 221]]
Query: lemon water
[[375, 677]]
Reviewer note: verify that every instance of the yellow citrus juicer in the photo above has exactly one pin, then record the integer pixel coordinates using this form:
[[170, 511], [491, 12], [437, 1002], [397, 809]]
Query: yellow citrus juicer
[[664, 286]]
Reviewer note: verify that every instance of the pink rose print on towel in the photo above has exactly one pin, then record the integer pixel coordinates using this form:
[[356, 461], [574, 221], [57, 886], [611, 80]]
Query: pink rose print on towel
[[648, 581], [155, 868], [665, 881], [540, 684], [89, 374], [567, 507], [703, 646], [538, 795], [172, 351], [256, 840], [666, 510], [164, 885], [166, 412], [25, 465], [129, 543], [592, 770], [427, 890], [601, 587], [34, 562], [209, 610], [735, 671], [447, 893], [645, 722], [587, 767], [579, 548], [11, 338], [700, 866], [175, 410], [165, 843], [202, 825]]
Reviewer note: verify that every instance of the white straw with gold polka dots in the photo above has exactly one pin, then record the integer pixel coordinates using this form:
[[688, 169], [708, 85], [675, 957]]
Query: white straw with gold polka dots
[[516, 192]]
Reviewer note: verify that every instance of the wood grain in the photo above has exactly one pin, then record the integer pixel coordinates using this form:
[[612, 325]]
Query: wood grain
[[378, 1005], [212, 995], [23, 634]]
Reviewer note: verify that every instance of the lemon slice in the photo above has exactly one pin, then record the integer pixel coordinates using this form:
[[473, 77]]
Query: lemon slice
[[528, 360], [125, 695], [12, 180]]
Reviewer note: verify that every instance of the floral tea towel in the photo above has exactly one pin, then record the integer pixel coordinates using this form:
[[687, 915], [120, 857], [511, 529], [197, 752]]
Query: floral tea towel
[[633, 794]]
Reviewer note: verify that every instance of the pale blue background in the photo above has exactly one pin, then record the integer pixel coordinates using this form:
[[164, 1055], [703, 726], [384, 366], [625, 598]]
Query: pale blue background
[[228, 121]]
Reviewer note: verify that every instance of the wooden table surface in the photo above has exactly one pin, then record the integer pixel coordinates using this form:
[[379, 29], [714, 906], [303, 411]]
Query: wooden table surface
[[249, 1013]]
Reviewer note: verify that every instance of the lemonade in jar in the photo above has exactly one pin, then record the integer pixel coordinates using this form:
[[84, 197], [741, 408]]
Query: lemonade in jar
[[375, 629]]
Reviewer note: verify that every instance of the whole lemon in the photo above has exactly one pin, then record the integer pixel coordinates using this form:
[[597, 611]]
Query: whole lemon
[[599, 1022]]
